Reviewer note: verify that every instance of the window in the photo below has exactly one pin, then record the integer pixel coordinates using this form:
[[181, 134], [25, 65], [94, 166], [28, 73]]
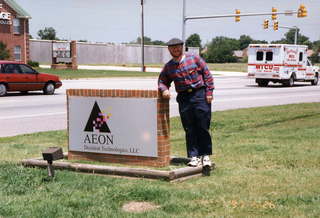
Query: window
[[11, 68], [300, 56], [269, 56], [26, 69], [17, 53], [259, 55], [16, 26]]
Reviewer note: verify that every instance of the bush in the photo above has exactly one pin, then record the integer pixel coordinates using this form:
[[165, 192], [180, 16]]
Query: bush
[[4, 52], [33, 63], [220, 50]]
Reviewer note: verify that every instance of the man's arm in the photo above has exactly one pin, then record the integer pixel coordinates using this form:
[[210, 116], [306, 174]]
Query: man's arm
[[164, 83], [207, 78]]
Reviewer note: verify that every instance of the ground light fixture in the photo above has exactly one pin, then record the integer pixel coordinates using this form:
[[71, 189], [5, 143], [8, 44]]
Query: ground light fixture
[[51, 154]]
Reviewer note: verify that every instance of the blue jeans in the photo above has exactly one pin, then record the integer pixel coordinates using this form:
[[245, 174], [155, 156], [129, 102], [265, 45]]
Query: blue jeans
[[195, 114]]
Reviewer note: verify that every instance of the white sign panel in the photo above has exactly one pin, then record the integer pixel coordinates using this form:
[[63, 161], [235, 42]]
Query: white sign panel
[[126, 126], [61, 50]]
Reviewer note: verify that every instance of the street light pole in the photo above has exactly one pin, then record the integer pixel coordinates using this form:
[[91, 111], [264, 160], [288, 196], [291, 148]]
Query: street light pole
[[292, 28], [296, 35], [142, 38]]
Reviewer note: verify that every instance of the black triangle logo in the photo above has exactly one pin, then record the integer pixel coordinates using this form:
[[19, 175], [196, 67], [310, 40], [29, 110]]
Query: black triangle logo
[[96, 120]]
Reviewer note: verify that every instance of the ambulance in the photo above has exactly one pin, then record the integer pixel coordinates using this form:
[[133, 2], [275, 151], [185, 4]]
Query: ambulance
[[280, 63]]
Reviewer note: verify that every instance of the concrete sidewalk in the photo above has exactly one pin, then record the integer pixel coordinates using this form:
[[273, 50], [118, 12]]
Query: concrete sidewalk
[[148, 69]]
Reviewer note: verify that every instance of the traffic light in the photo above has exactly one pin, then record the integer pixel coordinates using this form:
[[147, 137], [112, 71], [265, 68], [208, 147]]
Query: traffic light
[[302, 11], [274, 16], [266, 24], [237, 18], [275, 25]]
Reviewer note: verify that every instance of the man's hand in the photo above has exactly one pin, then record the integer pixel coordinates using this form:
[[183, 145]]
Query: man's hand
[[209, 99], [166, 94]]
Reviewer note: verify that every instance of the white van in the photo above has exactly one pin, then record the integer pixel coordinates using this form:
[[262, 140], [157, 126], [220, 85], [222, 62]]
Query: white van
[[280, 63]]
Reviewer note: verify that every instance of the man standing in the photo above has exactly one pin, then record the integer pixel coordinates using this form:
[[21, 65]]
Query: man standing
[[194, 85]]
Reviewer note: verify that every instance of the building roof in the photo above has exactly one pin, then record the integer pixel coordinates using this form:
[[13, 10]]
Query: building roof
[[21, 13]]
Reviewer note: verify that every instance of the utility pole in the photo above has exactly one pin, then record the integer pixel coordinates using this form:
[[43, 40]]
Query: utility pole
[[184, 24], [142, 38]]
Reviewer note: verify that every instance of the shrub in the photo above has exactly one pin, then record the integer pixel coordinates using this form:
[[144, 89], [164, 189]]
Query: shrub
[[33, 63], [4, 52]]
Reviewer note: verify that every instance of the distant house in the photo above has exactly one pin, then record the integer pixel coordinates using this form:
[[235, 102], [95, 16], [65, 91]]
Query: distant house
[[310, 52], [14, 30], [240, 54]]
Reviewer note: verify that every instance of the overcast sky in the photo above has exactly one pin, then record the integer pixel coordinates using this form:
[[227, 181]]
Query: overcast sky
[[120, 20]]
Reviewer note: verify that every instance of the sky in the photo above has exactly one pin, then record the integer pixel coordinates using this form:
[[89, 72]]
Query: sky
[[119, 21]]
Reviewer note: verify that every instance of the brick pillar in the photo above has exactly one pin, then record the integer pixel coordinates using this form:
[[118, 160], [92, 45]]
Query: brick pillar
[[74, 64]]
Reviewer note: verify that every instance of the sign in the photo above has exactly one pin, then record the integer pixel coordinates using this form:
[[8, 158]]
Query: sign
[[61, 50], [124, 126], [5, 16], [7, 22]]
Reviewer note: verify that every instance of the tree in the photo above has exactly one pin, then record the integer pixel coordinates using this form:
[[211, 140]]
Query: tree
[[259, 42], [302, 40], [193, 41], [148, 41], [289, 39], [220, 50], [158, 42], [48, 33], [244, 41], [4, 52], [315, 58]]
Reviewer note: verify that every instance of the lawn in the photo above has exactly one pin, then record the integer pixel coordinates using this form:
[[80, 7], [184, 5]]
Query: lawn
[[77, 74], [268, 165]]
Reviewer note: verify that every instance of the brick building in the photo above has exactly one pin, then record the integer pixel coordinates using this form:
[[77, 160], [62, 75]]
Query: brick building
[[14, 30]]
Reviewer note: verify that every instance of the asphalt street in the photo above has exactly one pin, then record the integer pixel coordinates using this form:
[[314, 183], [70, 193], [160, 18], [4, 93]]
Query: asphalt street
[[36, 112]]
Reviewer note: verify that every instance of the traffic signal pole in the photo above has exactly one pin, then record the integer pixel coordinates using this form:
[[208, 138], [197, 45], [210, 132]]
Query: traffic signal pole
[[186, 18]]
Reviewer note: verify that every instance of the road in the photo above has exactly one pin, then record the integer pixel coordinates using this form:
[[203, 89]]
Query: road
[[20, 114]]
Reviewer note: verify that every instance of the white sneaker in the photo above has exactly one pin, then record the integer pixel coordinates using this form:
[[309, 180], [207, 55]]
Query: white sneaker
[[206, 161], [194, 162]]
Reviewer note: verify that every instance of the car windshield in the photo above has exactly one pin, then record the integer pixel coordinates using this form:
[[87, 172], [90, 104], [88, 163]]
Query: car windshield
[[26, 69]]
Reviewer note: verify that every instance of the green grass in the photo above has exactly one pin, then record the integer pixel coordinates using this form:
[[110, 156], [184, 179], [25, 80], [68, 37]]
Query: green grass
[[268, 165], [77, 74], [232, 67]]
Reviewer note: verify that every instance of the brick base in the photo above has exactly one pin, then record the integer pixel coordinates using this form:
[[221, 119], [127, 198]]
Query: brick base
[[163, 158]]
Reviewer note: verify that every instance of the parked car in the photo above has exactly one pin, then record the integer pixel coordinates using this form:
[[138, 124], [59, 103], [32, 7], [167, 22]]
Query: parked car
[[16, 76]]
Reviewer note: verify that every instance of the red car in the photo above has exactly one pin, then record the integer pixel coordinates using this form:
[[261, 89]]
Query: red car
[[16, 76]]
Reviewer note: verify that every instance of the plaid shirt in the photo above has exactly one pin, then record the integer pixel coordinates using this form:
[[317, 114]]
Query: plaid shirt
[[191, 72]]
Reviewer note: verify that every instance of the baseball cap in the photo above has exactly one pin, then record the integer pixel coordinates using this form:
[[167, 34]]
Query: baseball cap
[[174, 41]]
